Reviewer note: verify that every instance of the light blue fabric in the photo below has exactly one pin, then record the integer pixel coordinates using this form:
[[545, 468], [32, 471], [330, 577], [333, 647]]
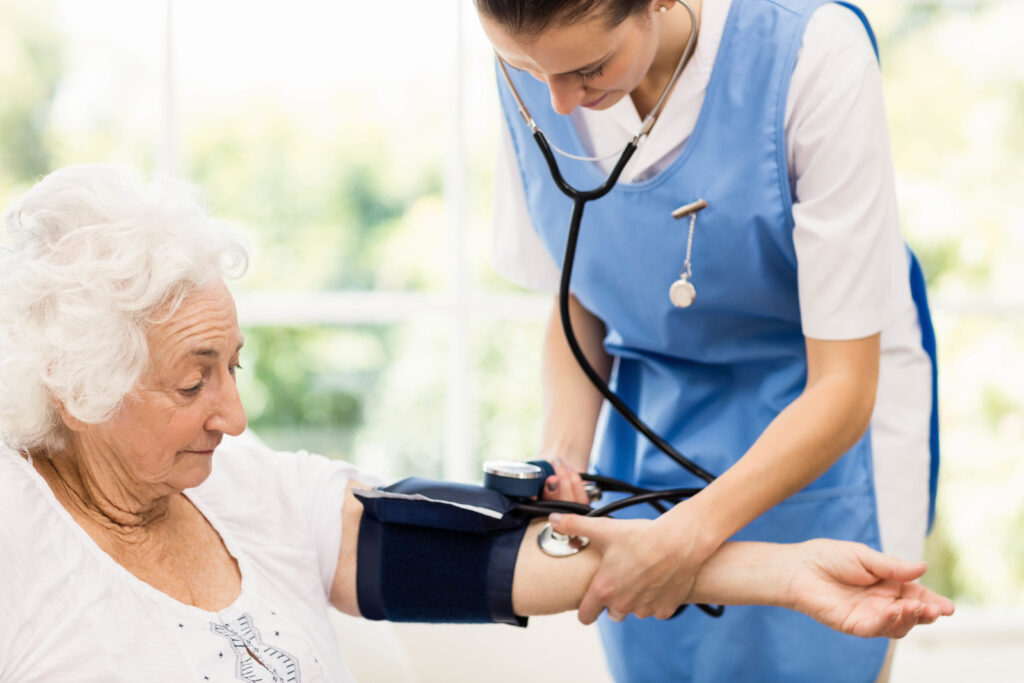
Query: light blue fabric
[[711, 377]]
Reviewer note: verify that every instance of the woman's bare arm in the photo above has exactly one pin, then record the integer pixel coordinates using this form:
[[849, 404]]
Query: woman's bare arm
[[542, 584], [846, 586]]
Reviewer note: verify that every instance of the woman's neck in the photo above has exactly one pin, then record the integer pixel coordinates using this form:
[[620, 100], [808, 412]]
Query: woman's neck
[[99, 493], [674, 32]]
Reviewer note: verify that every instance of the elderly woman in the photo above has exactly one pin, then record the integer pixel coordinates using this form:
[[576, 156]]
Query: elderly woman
[[137, 543]]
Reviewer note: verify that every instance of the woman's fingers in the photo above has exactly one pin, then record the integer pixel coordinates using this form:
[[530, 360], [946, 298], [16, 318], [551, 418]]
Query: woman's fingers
[[889, 567], [943, 605]]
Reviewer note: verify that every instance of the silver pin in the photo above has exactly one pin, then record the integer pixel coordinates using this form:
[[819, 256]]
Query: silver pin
[[682, 293], [686, 209]]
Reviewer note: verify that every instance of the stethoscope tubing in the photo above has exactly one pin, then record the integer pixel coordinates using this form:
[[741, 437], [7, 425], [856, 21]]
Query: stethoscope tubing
[[639, 496], [580, 198]]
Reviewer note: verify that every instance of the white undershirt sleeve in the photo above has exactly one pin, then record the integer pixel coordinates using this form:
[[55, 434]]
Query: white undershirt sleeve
[[517, 252], [312, 491], [846, 231], [7, 623]]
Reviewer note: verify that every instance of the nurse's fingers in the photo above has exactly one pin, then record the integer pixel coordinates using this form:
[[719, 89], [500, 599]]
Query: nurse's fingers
[[598, 529], [590, 608], [570, 484]]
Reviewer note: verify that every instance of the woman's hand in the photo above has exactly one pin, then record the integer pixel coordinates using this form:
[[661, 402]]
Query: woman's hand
[[647, 567], [565, 484], [860, 591]]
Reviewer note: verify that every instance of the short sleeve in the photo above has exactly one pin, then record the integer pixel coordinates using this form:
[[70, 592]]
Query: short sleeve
[[326, 480], [517, 252], [301, 495], [847, 236], [7, 625]]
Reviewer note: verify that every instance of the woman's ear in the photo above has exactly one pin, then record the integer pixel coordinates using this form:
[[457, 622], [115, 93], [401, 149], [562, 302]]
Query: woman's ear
[[69, 420]]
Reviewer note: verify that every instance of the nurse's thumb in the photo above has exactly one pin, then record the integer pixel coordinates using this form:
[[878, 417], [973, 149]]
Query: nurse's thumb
[[575, 525]]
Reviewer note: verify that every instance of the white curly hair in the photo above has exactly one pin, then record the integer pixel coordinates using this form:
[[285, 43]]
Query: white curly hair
[[94, 255]]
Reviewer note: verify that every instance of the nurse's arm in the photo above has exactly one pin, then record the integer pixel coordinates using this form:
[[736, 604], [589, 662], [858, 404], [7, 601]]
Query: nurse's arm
[[647, 572], [844, 585], [571, 403], [805, 439]]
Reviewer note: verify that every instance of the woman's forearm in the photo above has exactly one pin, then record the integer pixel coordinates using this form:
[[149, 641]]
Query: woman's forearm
[[846, 586], [736, 574], [571, 403], [746, 573]]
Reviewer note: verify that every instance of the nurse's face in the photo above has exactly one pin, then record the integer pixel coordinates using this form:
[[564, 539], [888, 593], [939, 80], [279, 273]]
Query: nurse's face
[[587, 63]]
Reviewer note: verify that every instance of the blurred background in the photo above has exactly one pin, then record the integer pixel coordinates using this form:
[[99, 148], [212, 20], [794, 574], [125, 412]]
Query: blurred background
[[355, 143]]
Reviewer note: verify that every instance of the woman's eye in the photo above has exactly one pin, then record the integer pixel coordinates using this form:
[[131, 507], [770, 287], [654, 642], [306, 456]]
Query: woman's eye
[[193, 390], [590, 75], [234, 368]]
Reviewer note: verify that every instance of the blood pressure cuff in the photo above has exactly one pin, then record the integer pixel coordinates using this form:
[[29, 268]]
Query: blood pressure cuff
[[437, 552]]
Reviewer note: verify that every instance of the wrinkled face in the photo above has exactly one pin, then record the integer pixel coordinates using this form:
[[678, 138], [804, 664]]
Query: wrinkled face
[[163, 438], [585, 64]]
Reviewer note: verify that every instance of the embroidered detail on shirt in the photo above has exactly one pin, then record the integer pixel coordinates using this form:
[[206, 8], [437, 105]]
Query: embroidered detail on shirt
[[254, 659]]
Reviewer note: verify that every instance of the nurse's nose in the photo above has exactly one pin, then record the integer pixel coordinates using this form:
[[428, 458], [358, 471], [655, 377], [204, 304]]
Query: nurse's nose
[[566, 93]]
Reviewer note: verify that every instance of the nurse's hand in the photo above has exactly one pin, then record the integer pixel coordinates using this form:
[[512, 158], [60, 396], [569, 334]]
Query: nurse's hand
[[565, 484], [860, 591], [647, 567]]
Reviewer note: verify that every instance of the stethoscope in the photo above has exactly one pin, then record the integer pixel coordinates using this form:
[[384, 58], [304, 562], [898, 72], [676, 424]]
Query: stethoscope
[[522, 481]]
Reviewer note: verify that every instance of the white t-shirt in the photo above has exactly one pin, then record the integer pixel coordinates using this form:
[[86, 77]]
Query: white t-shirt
[[852, 267], [69, 612]]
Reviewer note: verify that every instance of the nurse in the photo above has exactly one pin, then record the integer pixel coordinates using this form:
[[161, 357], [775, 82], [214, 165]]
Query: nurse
[[802, 373]]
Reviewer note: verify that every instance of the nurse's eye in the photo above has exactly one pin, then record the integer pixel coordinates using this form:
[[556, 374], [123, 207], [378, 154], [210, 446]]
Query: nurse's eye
[[585, 76]]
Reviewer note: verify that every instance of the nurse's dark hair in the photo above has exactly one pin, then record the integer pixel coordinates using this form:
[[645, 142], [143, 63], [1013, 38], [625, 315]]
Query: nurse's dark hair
[[531, 17]]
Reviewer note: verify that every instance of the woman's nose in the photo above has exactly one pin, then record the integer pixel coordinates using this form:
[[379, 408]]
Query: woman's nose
[[566, 93], [228, 415]]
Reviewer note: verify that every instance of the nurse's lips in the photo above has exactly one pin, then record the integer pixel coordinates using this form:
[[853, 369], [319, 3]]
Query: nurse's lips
[[597, 101]]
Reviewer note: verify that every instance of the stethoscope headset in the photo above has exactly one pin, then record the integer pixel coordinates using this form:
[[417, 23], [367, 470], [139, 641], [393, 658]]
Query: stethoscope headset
[[523, 481]]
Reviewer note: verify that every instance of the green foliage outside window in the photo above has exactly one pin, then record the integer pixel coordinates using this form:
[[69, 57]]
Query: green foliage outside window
[[341, 197]]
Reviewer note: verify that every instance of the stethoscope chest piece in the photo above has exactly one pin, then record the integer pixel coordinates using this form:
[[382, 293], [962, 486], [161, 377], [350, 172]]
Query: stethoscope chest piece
[[682, 293], [559, 545]]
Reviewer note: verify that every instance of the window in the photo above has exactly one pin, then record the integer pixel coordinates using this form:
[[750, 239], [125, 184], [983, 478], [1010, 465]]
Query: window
[[356, 151]]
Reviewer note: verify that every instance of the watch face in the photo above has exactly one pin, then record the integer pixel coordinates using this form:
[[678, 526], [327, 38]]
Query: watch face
[[682, 293]]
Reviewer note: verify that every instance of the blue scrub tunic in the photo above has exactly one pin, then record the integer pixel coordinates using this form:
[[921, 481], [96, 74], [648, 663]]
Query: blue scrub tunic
[[711, 377]]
